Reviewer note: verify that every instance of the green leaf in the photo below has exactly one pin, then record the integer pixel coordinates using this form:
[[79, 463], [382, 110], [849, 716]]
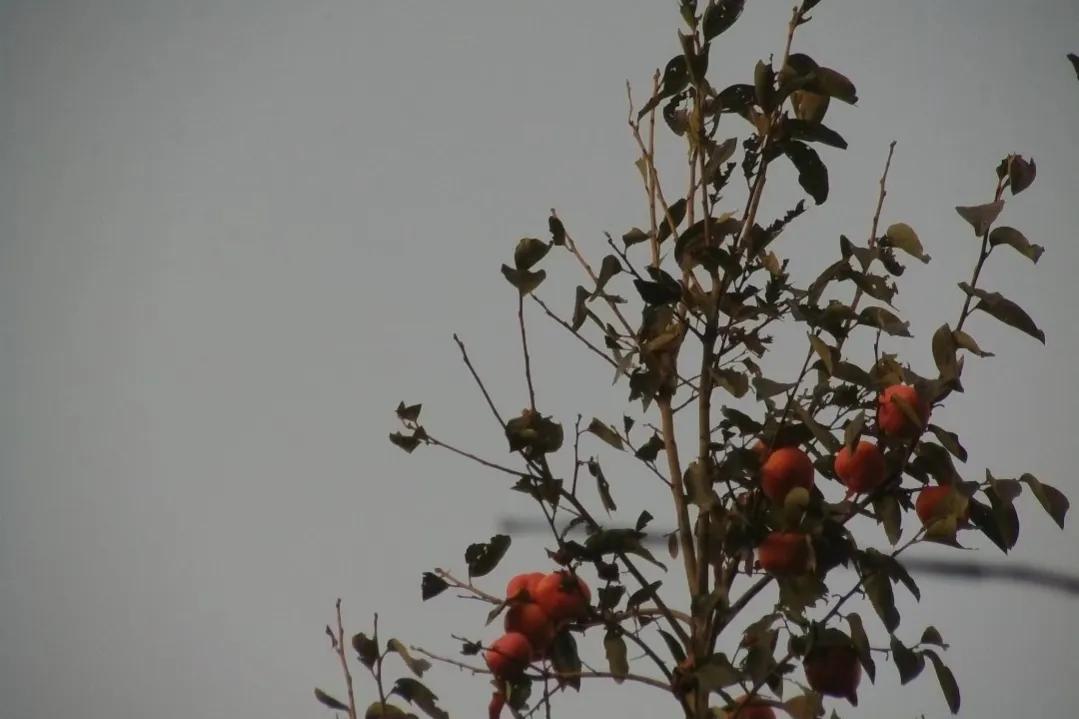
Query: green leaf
[[719, 16], [861, 644], [946, 680], [482, 558], [890, 514], [523, 280], [432, 585], [965, 341], [944, 353], [853, 431], [901, 235], [605, 432], [909, 663], [950, 441], [716, 673], [1052, 499], [416, 666], [823, 351], [981, 217], [1004, 235], [766, 388], [827, 81], [879, 588], [884, 320], [812, 173], [805, 706], [329, 701], [615, 648], [528, 252], [677, 213], [565, 660], [634, 236], [378, 710], [415, 692], [995, 304], [602, 485]]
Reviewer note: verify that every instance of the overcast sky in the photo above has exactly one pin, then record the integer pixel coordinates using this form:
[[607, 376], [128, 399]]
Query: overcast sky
[[233, 235]]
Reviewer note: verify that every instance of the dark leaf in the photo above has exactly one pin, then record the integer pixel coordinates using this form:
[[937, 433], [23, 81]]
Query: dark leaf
[[827, 81], [523, 280], [675, 214], [805, 706], [615, 648], [826, 353], [528, 252], [909, 663], [609, 597], [565, 660], [890, 514], [950, 440], [932, 636], [482, 558], [861, 643], [1005, 310], [416, 693], [1012, 237], [366, 649], [719, 16], [673, 646], [814, 132], [879, 588], [853, 431], [605, 432], [408, 413], [557, 230], [944, 350], [379, 710], [634, 236], [329, 701], [1021, 173], [1074, 59], [432, 585], [821, 433], [607, 269], [981, 217], [809, 106], [1052, 499], [764, 85], [812, 174], [580, 308], [716, 673], [766, 388], [405, 441], [650, 449], [947, 681], [602, 486], [731, 380]]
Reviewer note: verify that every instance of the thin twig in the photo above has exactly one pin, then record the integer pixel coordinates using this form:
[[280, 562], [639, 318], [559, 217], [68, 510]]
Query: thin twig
[[475, 376], [524, 349], [344, 662]]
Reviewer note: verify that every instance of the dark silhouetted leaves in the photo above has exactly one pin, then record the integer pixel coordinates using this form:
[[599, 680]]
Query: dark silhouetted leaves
[[805, 706], [932, 636], [366, 649], [1021, 173], [408, 413], [901, 236], [329, 701], [716, 673], [1005, 310], [946, 680], [861, 643], [809, 106], [766, 388], [879, 588], [675, 79], [890, 514], [607, 269], [981, 217], [602, 485], [812, 174], [720, 15], [557, 230], [416, 693], [814, 132], [962, 339], [528, 252], [675, 214], [482, 558], [650, 449], [950, 440], [580, 308], [378, 710], [634, 236], [1074, 59], [523, 280], [565, 660], [909, 663], [605, 432], [431, 585], [614, 646], [1012, 237], [407, 442], [1052, 500], [533, 434]]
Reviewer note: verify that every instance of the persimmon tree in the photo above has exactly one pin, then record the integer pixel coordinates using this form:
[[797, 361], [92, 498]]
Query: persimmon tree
[[774, 483]]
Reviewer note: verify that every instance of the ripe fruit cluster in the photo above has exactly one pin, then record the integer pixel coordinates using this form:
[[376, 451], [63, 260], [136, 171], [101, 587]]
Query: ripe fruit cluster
[[540, 605]]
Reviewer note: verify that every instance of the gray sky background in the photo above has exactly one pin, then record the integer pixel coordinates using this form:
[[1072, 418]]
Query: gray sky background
[[234, 234]]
